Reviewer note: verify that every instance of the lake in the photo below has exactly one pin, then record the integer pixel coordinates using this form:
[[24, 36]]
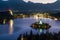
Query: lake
[[14, 28]]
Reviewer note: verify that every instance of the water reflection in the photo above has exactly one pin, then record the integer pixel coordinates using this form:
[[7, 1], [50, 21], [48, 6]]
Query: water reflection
[[21, 25], [10, 26], [6, 25], [4, 21]]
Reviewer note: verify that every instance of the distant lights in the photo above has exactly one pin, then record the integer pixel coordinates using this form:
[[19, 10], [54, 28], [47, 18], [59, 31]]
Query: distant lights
[[40, 22], [11, 12], [55, 19]]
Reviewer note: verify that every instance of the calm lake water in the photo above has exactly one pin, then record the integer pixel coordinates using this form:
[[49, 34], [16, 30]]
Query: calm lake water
[[14, 28]]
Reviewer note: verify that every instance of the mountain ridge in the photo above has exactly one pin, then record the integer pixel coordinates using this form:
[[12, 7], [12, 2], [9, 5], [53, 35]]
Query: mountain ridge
[[23, 6]]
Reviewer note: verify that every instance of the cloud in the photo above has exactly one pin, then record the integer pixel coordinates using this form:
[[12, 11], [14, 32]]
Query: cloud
[[41, 1]]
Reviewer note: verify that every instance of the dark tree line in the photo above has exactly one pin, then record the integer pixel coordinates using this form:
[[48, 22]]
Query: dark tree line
[[47, 36]]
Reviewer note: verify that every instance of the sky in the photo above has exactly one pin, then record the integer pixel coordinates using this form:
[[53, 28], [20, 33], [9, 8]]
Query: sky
[[4, 0], [41, 1]]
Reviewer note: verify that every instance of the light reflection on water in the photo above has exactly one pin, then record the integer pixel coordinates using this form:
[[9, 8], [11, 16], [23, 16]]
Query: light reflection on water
[[22, 25], [11, 26], [7, 28]]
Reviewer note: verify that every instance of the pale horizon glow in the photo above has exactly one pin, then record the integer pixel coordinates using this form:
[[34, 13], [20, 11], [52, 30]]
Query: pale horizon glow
[[41, 1], [4, 0]]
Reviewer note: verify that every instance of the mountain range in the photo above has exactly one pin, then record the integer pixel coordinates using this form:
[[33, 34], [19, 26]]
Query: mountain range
[[24, 7]]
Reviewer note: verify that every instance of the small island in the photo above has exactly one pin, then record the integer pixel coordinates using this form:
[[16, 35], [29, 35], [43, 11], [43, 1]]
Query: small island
[[40, 25]]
